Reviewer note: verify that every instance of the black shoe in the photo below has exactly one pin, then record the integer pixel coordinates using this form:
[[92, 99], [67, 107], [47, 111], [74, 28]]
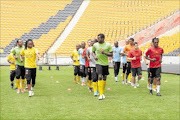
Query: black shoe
[[158, 94], [151, 93], [12, 86]]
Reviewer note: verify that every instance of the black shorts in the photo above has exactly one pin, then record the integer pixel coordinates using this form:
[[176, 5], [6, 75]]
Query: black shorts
[[102, 70], [12, 75], [76, 70], [148, 70], [136, 71], [94, 74], [155, 72], [82, 68], [20, 72], [88, 72], [31, 75], [128, 67]]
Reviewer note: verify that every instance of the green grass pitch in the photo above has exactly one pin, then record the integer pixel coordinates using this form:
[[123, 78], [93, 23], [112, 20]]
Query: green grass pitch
[[53, 101]]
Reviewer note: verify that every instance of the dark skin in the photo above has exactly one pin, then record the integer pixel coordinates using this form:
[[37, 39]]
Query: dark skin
[[131, 43], [155, 44], [126, 42], [78, 46], [19, 44], [101, 41]]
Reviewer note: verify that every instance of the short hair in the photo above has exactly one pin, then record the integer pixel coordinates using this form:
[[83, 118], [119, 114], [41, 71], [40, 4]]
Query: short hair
[[95, 40], [89, 40], [101, 35], [132, 39], [155, 39], [18, 40], [135, 43]]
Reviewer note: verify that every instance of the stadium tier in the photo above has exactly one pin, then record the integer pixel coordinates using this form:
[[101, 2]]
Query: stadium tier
[[117, 19], [170, 44], [32, 19]]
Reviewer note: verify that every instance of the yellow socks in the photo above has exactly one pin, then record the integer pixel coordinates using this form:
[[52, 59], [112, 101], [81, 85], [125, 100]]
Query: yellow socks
[[22, 83], [95, 86], [91, 83], [123, 75], [100, 86], [104, 84], [78, 78], [129, 77], [18, 83]]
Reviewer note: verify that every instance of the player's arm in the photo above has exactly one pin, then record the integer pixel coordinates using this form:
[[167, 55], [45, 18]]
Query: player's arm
[[14, 54], [94, 55], [84, 54], [72, 57], [130, 57], [9, 60], [125, 52], [110, 52], [147, 56], [87, 53], [21, 55]]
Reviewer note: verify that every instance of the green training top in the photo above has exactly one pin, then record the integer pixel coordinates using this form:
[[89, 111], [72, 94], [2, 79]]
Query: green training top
[[16, 51]]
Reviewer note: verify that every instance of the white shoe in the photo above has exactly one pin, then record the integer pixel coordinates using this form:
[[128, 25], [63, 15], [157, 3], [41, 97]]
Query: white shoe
[[18, 92], [132, 84], [100, 97], [135, 87], [129, 82], [30, 93], [103, 96], [126, 83], [123, 82], [148, 87], [32, 88], [154, 89]]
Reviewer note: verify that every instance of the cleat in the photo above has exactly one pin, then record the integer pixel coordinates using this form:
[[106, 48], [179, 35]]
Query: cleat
[[154, 89], [151, 93], [30, 93], [129, 82], [32, 88], [126, 83], [135, 87], [158, 94], [148, 86], [97, 92], [132, 84], [100, 97], [12, 86], [18, 91], [123, 82], [103, 96]]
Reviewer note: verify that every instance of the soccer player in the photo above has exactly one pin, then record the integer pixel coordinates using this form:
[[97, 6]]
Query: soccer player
[[20, 71], [101, 51], [147, 62], [124, 62], [30, 53], [11, 60], [75, 58], [92, 64], [87, 67], [135, 56], [127, 49], [116, 59], [154, 54], [82, 63]]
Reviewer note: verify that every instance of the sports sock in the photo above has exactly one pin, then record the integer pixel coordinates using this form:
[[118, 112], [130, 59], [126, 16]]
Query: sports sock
[[129, 77], [95, 86], [104, 85], [100, 86], [123, 75], [158, 88]]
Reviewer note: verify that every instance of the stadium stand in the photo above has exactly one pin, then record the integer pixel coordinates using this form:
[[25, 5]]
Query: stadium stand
[[117, 20], [170, 44], [37, 18]]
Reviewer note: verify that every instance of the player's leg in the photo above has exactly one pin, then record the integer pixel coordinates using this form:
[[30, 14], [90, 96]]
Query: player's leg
[[75, 73], [33, 74], [84, 75], [124, 71], [78, 73], [18, 74], [130, 75], [95, 80], [154, 84], [139, 74], [100, 80], [149, 78], [22, 78], [158, 78], [118, 67], [128, 71], [133, 76], [28, 77], [90, 79], [152, 74], [105, 73], [115, 71], [12, 76]]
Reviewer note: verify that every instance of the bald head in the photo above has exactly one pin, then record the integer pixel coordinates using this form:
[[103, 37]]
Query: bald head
[[116, 43], [78, 46], [83, 44]]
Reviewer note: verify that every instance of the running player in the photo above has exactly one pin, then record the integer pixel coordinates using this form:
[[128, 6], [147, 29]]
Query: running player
[[20, 71], [87, 68], [116, 59], [124, 62], [30, 53], [11, 60], [147, 62], [101, 51], [127, 49], [75, 58], [154, 54], [135, 55], [82, 63], [92, 64]]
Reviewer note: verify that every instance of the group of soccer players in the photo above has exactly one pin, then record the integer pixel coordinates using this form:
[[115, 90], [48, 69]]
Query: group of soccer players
[[23, 66], [91, 63]]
